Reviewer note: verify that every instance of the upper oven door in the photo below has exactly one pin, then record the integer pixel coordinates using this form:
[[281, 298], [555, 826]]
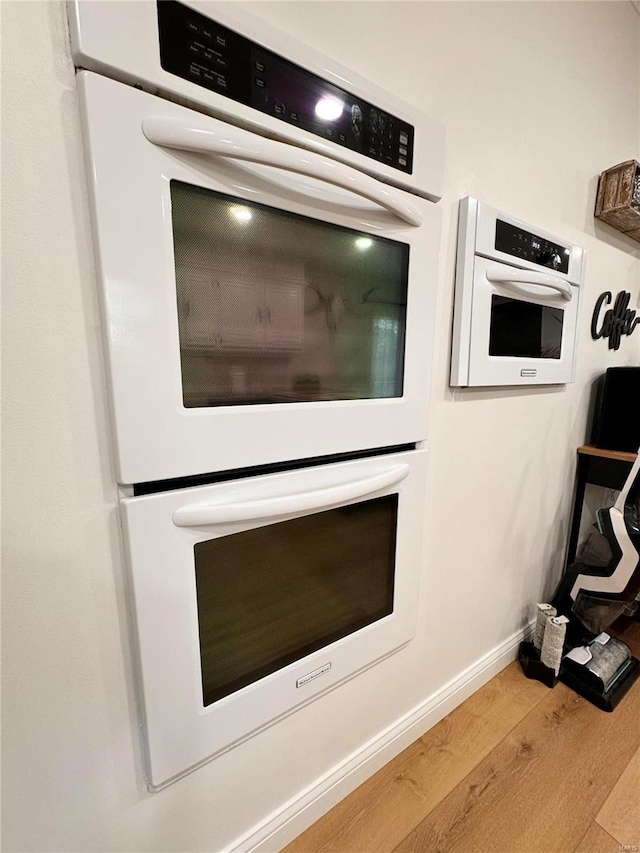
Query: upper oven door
[[262, 303], [523, 326]]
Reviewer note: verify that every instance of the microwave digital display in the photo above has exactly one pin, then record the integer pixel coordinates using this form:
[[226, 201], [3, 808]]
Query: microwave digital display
[[204, 52], [529, 247]]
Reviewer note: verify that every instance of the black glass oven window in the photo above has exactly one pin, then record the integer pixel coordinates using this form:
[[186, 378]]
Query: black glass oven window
[[280, 308], [270, 596], [523, 329]]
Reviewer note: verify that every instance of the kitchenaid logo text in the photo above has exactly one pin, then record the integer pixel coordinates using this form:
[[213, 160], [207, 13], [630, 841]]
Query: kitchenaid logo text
[[617, 321], [313, 675]]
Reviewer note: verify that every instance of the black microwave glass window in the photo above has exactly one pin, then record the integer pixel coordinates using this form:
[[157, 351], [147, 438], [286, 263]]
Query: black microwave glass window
[[270, 596], [275, 307], [521, 329]]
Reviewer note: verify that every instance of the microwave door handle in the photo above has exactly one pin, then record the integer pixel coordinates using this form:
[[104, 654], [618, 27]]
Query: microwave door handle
[[203, 515], [239, 145], [541, 279]]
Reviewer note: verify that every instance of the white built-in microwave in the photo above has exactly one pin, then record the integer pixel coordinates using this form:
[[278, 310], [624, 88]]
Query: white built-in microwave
[[268, 260], [516, 301]]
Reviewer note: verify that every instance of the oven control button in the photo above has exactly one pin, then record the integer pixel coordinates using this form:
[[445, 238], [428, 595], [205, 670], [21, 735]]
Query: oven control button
[[215, 56], [550, 259], [356, 121]]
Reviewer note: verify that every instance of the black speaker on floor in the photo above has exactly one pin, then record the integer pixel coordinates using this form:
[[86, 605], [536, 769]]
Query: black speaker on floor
[[616, 417]]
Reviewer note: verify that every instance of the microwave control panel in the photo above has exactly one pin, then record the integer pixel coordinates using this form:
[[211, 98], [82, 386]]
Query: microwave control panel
[[529, 247], [198, 49]]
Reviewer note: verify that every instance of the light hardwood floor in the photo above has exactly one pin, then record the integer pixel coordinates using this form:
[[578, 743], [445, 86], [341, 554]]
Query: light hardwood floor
[[517, 768]]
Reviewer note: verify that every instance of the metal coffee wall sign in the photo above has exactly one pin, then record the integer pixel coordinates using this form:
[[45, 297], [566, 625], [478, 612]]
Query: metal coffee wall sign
[[614, 322]]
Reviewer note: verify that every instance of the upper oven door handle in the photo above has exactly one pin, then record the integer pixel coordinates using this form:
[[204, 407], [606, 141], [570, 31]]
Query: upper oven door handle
[[201, 515], [499, 275], [240, 145]]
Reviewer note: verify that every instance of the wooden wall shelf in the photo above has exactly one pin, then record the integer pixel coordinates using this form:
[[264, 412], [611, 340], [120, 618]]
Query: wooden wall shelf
[[618, 201], [621, 455]]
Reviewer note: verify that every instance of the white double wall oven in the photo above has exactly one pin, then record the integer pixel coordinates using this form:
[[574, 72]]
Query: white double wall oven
[[267, 252]]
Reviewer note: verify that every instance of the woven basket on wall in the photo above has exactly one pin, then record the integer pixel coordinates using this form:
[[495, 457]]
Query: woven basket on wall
[[618, 202]]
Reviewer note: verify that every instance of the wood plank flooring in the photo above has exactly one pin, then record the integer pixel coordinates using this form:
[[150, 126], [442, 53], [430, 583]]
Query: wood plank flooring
[[620, 815], [516, 768], [596, 840]]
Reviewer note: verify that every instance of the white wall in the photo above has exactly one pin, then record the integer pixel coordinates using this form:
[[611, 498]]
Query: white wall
[[538, 98]]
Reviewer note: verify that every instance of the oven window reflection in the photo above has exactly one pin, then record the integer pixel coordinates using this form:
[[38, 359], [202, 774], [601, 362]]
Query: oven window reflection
[[278, 308], [270, 596], [523, 329]]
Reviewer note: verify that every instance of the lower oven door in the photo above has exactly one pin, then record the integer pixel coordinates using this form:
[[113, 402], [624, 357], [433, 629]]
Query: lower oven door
[[523, 326], [253, 596]]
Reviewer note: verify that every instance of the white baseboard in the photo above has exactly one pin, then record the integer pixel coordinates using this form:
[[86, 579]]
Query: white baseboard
[[287, 822]]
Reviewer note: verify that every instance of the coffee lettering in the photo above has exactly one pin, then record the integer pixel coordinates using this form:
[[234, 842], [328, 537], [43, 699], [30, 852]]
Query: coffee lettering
[[617, 321]]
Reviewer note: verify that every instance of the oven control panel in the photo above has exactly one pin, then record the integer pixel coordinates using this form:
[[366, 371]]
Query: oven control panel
[[529, 247], [198, 49]]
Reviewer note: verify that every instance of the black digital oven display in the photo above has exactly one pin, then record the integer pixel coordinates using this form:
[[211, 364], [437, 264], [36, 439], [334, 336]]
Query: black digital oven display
[[523, 244], [204, 52]]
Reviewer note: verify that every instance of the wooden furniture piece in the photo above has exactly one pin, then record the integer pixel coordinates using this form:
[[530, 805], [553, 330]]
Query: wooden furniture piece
[[608, 468], [618, 201]]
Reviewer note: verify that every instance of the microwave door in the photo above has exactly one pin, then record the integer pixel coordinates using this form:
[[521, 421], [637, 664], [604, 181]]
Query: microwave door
[[262, 303], [523, 328]]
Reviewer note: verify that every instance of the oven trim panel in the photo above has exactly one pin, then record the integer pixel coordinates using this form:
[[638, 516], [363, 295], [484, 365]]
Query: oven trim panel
[[98, 45], [160, 532]]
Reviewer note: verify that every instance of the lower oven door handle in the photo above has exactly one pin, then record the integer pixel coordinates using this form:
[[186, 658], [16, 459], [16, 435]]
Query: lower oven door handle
[[540, 279], [203, 515], [196, 135]]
